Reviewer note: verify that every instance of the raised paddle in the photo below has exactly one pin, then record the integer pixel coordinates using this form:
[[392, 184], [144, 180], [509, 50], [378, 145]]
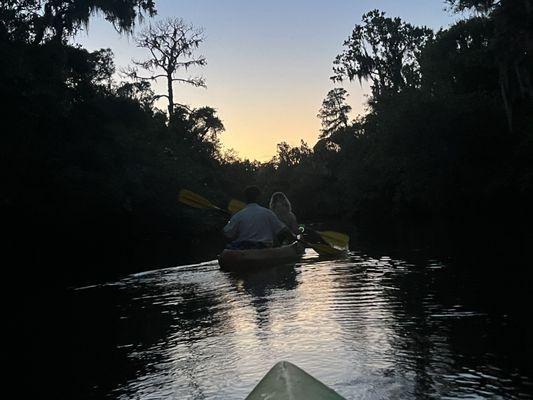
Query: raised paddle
[[334, 238], [235, 206], [195, 200], [330, 237]]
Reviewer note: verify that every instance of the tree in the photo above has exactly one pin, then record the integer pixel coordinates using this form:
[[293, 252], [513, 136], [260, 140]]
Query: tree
[[289, 157], [334, 112], [383, 50], [511, 43], [56, 19], [206, 124], [17, 18], [172, 44], [138, 92], [199, 127], [483, 6]]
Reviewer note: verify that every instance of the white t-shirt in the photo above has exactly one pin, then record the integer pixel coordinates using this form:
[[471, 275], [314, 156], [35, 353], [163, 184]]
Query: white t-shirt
[[253, 223]]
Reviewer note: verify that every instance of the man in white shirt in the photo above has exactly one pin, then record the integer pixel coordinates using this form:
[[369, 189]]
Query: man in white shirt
[[254, 227]]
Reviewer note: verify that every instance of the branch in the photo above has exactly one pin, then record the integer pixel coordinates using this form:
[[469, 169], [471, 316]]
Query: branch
[[192, 81]]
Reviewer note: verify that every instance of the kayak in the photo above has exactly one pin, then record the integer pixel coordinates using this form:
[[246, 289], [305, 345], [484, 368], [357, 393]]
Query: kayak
[[285, 381], [259, 258]]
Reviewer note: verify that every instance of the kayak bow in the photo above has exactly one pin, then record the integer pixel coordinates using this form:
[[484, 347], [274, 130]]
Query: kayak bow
[[285, 381]]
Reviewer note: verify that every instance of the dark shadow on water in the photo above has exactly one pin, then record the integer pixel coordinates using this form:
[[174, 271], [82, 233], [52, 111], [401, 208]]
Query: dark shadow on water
[[259, 284], [110, 323]]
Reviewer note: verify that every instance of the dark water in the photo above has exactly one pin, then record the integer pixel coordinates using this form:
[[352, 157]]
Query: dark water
[[370, 327]]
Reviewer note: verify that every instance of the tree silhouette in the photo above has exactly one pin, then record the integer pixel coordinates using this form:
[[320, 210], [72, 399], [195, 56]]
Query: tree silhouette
[[483, 6], [383, 50], [55, 19], [334, 112], [511, 42], [172, 44]]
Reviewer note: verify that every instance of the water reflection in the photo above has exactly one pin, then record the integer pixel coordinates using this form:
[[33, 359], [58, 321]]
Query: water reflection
[[371, 327], [260, 286]]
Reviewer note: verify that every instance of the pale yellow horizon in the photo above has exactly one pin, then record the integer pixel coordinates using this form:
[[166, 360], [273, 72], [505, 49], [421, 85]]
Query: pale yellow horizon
[[268, 63]]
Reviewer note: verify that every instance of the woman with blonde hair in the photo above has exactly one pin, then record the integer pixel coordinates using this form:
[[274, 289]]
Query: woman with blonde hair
[[280, 204]]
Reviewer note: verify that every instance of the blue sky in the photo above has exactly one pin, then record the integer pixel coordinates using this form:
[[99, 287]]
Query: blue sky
[[269, 62]]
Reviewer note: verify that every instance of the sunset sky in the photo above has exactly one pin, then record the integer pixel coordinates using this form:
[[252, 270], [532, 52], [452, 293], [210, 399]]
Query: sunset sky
[[269, 62]]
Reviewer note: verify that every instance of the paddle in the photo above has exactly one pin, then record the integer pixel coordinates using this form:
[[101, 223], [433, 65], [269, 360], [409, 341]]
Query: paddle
[[322, 249], [330, 237], [334, 238], [235, 206], [195, 200]]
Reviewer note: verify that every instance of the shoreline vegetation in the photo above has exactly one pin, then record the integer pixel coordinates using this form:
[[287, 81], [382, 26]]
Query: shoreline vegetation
[[91, 168]]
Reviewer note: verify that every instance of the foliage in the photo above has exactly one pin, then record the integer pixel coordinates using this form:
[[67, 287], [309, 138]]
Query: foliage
[[90, 166], [383, 50], [200, 128], [334, 111], [43, 20], [435, 142]]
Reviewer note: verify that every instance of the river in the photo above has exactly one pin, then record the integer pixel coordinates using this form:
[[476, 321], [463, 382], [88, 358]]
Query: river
[[370, 326]]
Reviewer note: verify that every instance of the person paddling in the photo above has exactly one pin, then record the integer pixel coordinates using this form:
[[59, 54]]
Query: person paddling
[[280, 204], [254, 227]]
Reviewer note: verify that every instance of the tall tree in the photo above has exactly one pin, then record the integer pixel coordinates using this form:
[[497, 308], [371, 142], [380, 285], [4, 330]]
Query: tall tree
[[512, 44], [334, 112], [383, 50], [172, 44]]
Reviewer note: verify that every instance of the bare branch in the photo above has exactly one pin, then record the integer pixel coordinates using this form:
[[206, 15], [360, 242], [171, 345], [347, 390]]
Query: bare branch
[[198, 82], [171, 43]]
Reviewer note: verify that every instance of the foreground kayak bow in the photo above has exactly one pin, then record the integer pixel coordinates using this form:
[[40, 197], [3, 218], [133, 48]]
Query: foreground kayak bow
[[285, 381]]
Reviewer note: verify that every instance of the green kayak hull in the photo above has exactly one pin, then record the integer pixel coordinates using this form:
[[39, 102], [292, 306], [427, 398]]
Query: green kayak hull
[[285, 381], [260, 258]]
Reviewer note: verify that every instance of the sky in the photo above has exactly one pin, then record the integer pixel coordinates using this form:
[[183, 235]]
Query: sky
[[268, 62]]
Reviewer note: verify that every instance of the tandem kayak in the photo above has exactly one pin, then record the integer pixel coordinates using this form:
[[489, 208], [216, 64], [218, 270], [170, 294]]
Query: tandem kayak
[[258, 258], [285, 381]]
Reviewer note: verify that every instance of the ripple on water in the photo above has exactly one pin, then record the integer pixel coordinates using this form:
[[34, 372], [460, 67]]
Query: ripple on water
[[371, 328]]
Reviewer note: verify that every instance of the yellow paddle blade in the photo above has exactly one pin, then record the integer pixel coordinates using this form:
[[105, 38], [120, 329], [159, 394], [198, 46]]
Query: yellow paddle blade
[[235, 206], [324, 249], [195, 200], [335, 238]]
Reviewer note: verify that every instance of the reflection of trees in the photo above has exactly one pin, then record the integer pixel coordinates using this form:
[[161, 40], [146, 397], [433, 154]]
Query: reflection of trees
[[123, 332], [415, 338], [387, 317], [428, 319]]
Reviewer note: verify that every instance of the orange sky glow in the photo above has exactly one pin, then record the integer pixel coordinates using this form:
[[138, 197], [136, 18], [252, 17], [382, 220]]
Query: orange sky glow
[[268, 63]]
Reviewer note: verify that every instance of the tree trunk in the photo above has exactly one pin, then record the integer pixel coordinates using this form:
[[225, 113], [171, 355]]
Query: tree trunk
[[170, 97], [504, 87]]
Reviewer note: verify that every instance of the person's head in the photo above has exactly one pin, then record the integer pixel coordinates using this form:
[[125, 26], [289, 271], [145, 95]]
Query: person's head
[[251, 194], [279, 202]]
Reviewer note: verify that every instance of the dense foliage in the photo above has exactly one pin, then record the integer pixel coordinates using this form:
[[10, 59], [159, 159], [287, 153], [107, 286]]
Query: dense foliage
[[449, 130], [91, 168]]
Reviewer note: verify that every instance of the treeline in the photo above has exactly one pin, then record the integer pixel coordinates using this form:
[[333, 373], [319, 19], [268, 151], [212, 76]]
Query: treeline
[[448, 135], [91, 168]]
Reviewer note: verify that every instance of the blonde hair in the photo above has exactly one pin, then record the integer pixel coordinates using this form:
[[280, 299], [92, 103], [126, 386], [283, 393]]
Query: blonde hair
[[280, 204]]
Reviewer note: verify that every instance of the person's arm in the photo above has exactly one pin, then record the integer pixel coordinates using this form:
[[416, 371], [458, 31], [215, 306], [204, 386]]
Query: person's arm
[[231, 229], [280, 230], [286, 233], [293, 224]]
